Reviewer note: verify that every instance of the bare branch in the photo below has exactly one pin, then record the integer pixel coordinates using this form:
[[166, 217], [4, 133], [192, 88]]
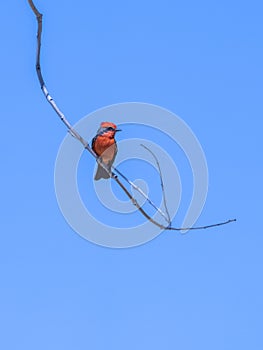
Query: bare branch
[[161, 179], [137, 188], [201, 227], [42, 83], [75, 134]]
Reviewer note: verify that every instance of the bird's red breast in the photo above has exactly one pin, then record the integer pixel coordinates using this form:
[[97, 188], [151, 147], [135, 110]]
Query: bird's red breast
[[105, 147]]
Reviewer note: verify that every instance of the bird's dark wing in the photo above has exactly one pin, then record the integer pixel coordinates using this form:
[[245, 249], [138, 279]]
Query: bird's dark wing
[[115, 153], [93, 142]]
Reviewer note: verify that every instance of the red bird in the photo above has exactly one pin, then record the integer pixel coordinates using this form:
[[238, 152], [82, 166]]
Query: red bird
[[104, 145]]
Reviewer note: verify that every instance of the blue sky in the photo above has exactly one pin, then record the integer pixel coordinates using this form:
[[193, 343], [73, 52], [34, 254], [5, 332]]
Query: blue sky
[[200, 60]]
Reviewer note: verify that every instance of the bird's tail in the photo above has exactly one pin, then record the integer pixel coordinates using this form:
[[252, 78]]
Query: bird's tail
[[101, 173]]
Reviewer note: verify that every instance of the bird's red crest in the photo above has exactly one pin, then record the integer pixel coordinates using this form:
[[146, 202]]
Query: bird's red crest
[[108, 125]]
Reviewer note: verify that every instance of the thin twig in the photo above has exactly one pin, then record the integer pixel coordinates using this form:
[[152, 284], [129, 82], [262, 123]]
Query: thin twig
[[167, 218], [43, 85], [201, 227], [75, 134], [161, 179]]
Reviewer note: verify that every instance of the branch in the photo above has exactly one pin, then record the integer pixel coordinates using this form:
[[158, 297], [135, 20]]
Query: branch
[[43, 85], [75, 134], [161, 179], [137, 188]]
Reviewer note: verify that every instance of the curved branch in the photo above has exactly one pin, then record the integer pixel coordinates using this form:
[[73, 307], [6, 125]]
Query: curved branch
[[42, 83], [137, 188], [62, 116], [75, 134], [161, 179]]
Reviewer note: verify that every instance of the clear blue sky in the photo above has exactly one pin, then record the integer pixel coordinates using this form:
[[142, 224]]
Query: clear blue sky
[[201, 60]]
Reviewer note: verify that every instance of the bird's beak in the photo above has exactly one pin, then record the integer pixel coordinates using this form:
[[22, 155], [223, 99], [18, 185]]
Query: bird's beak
[[118, 130]]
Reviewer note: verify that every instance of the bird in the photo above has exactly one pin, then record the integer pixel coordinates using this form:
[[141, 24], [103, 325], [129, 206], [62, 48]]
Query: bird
[[105, 147]]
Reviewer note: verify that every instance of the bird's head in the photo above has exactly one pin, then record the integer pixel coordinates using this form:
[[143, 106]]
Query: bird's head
[[107, 128]]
